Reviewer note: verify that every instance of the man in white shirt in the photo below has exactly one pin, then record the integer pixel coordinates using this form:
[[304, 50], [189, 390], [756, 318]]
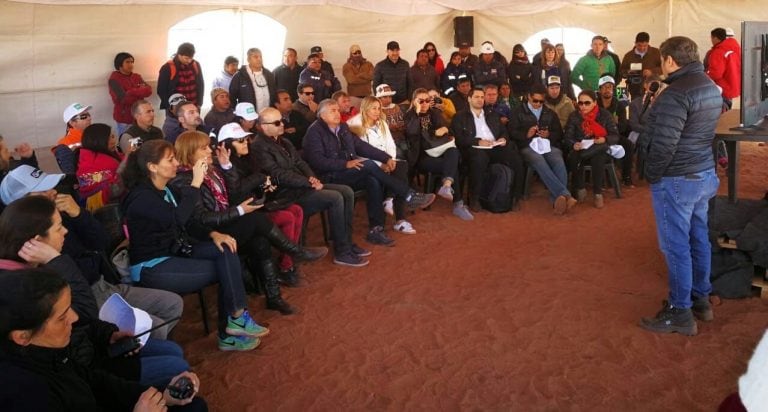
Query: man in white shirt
[[253, 83]]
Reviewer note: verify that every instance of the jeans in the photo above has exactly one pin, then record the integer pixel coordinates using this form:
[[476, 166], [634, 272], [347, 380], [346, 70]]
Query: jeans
[[161, 360], [680, 205], [339, 201], [161, 305], [551, 170], [207, 266], [371, 178]]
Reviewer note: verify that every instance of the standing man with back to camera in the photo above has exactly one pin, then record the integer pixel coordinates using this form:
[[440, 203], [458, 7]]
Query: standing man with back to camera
[[680, 167]]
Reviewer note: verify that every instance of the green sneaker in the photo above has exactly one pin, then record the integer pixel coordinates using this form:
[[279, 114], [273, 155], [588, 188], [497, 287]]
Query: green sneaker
[[245, 326], [238, 343]]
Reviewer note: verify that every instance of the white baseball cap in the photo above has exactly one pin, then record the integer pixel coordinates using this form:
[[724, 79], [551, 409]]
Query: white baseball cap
[[232, 131], [24, 180], [246, 111], [605, 79], [382, 92], [73, 110], [729, 32], [487, 48]]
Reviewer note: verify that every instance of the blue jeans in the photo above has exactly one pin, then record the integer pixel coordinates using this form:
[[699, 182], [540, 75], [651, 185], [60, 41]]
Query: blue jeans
[[161, 360], [551, 170], [680, 205]]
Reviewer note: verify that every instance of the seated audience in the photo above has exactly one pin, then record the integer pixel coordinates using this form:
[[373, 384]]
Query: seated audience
[[488, 70], [188, 120], [492, 103], [171, 121], [160, 251], [97, 166], [534, 119], [36, 322], [246, 116], [125, 87], [506, 98], [588, 133], [221, 111], [425, 129], [618, 109], [77, 118], [7, 163], [394, 114], [306, 104], [444, 105], [358, 72], [551, 65], [142, 129], [294, 124], [333, 152], [557, 101], [345, 106], [460, 96]]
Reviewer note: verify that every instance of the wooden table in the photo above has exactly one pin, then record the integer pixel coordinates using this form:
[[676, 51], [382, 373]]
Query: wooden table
[[732, 138]]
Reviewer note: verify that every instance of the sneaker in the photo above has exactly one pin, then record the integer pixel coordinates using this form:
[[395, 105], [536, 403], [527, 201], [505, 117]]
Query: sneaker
[[360, 251], [599, 202], [378, 237], [238, 343], [581, 195], [570, 203], [671, 319], [419, 200], [446, 192], [405, 226], [561, 205], [350, 259], [389, 207], [702, 309], [289, 278], [245, 326], [461, 211]]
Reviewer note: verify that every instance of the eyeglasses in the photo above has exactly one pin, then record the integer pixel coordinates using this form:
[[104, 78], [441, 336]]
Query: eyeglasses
[[308, 93], [537, 101], [82, 116], [276, 123], [584, 103]]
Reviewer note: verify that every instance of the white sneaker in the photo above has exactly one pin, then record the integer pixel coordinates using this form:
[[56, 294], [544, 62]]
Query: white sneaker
[[446, 192], [389, 207], [404, 226]]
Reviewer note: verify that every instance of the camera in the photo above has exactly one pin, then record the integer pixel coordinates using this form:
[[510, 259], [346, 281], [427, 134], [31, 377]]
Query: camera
[[182, 389], [438, 100], [136, 142]]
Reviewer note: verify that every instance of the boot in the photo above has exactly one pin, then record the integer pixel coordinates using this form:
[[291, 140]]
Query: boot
[[272, 289], [277, 238], [702, 309], [671, 319]]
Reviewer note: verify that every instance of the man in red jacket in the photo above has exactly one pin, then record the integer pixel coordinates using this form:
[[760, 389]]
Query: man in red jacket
[[724, 65], [125, 87]]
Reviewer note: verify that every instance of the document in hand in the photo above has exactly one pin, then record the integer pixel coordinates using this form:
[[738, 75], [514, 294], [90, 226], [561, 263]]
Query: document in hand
[[587, 143], [127, 318], [540, 145]]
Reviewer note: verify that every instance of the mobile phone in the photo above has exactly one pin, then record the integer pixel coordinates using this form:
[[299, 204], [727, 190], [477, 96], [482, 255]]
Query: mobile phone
[[258, 202]]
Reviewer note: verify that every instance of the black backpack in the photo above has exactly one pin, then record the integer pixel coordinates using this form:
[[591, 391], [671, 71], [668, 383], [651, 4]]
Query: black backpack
[[495, 196]]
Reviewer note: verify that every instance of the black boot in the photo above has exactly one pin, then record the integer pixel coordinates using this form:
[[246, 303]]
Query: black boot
[[277, 238], [702, 309], [671, 319], [272, 289]]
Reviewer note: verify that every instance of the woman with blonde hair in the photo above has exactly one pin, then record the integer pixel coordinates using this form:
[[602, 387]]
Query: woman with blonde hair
[[371, 125]]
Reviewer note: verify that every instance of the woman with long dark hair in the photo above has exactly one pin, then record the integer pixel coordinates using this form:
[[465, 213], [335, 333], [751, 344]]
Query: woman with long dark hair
[[434, 58], [97, 166]]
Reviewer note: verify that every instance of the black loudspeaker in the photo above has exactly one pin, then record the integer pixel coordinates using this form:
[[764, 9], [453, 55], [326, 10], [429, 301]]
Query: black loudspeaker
[[463, 31]]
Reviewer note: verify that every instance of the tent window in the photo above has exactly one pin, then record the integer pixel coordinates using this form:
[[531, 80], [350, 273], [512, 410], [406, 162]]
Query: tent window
[[576, 41]]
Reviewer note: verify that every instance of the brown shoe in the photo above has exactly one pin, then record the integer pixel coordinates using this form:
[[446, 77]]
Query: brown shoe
[[571, 202], [599, 203], [581, 195], [561, 204]]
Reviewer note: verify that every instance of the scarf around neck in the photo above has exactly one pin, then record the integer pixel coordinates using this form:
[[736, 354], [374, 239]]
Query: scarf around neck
[[590, 126]]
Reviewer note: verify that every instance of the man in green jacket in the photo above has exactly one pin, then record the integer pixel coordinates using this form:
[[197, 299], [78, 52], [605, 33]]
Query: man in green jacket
[[594, 64]]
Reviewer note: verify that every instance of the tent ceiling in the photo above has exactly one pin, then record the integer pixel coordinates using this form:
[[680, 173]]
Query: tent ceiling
[[395, 7]]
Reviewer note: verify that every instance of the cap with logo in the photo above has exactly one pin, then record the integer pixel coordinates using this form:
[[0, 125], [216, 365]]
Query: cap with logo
[[175, 99], [383, 90], [393, 45], [231, 131], [487, 48], [73, 110], [316, 49], [246, 111], [553, 80], [24, 180], [605, 79]]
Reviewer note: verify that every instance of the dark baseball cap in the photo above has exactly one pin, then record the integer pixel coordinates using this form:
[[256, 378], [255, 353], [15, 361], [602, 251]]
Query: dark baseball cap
[[393, 45], [316, 49]]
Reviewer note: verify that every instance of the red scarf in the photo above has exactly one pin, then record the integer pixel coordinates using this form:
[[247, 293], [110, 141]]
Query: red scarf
[[591, 128], [218, 187]]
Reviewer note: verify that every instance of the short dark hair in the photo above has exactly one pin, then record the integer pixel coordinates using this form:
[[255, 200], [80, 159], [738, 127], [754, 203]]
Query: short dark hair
[[27, 298], [476, 89], [230, 60], [642, 37], [682, 50], [120, 58], [186, 49], [718, 32], [463, 80], [24, 219], [300, 88], [538, 88]]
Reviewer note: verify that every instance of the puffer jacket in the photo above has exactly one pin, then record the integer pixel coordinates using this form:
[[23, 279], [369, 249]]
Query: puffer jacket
[[681, 125], [396, 75], [724, 67]]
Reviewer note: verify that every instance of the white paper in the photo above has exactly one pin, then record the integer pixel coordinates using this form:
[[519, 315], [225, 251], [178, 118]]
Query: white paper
[[540, 145], [635, 67], [587, 143], [483, 147], [438, 151], [127, 318], [633, 135]]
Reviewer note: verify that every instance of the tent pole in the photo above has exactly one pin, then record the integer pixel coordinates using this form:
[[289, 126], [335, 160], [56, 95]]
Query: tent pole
[[669, 19]]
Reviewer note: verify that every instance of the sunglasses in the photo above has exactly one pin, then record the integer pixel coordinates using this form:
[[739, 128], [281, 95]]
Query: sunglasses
[[276, 123], [357, 52], [308, 93], [82, 116], [240, 140], [422, 101], [584, 103], [537, 101], [430, 50]]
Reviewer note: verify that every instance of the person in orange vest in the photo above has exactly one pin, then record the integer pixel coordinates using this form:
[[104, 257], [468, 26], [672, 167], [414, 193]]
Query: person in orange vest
[[77, 118], [182, 74]]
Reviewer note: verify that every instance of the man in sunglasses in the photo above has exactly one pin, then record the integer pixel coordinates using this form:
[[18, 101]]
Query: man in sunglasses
[[306, 104], [77, 118], [295, 125], [679, 165], [358, 72]]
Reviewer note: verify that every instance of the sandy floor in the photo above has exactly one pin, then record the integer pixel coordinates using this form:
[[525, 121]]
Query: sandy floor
[[521, 311]]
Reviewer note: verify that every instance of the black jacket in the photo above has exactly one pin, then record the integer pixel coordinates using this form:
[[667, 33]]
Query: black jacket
[[287, 79], [241, 88], [574, 132], [463, 128], [396, 75], [205, 211], [522, 119], [288, 170], [681, 125], [415, 133]]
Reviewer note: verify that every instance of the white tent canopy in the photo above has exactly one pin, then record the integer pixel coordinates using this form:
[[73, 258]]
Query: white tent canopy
[[55, 53]]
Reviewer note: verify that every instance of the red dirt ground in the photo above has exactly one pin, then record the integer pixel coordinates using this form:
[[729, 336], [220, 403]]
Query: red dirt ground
[[521, 311]]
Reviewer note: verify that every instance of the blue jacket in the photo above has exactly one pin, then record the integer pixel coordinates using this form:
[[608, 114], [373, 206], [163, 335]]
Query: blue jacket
[[326, 153]]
